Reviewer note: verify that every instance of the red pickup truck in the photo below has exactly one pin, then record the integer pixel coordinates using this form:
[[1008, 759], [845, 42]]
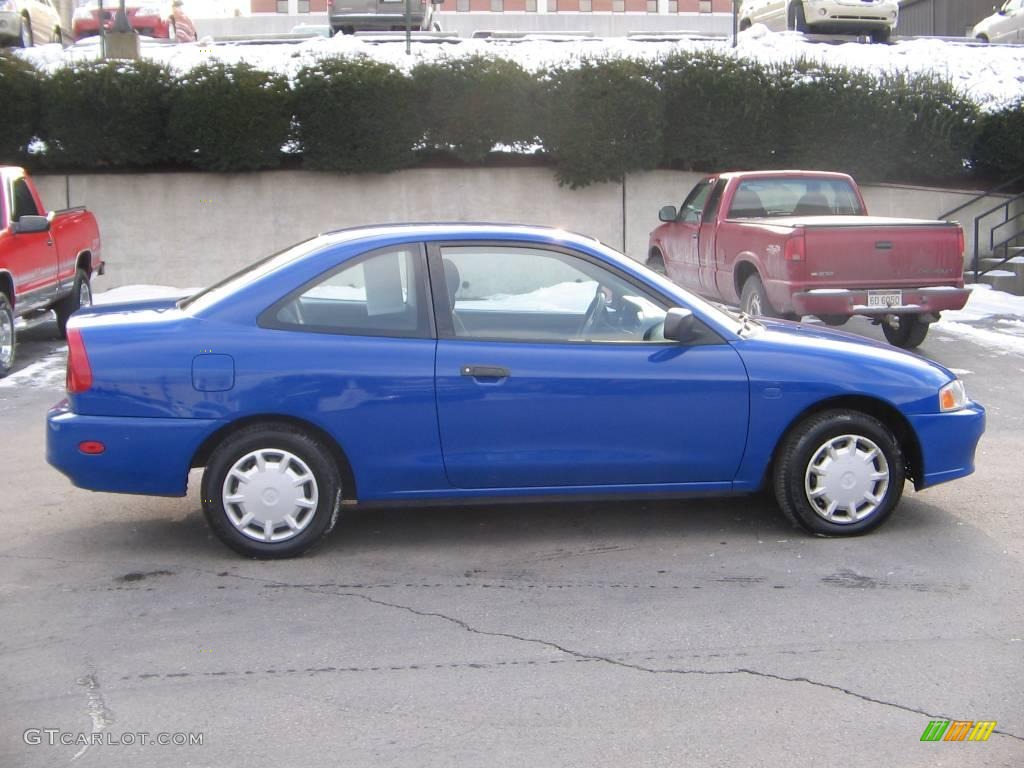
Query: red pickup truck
[[795, 243], [46, 259]]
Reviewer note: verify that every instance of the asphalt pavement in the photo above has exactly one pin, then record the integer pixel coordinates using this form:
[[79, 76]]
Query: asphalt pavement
[[696, 633]]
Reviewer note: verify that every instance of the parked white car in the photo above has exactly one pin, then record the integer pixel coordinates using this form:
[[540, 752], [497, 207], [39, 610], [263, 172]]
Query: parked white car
[[1004, 26], [27, 22], [876, 18]]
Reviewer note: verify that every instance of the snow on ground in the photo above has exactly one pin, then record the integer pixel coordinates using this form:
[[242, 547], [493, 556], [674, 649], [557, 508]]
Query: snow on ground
[[993, 319], [991, 75]]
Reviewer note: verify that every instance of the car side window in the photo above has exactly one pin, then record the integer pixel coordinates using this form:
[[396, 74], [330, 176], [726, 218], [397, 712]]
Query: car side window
[[380, 294], [22, 201], [693, 205], [533, 294]]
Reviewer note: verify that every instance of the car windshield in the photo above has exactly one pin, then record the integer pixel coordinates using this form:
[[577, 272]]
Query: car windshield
[[250, 274]]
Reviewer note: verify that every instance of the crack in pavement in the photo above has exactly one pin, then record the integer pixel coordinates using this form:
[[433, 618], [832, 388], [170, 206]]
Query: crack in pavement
[[101, 716], [641, 668]]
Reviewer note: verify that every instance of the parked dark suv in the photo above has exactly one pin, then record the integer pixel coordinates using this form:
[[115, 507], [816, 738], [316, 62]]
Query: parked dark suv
[[350, 16]]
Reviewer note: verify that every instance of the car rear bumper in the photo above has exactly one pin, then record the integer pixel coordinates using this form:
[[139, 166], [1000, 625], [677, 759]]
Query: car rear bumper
[[147, 456], [841, 301], [948, 442]]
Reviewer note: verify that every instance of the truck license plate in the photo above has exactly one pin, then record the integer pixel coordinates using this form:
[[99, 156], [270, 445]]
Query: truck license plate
[[885, 299]]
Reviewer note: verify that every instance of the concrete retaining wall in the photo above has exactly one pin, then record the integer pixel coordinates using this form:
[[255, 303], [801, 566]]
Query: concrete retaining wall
[[189, 229]]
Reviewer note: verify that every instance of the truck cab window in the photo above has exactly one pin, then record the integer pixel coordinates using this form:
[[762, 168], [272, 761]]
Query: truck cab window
[[23, 203]]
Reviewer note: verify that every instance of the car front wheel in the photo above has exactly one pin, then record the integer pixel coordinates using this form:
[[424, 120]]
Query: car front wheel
[[839, 473], [271, 491]]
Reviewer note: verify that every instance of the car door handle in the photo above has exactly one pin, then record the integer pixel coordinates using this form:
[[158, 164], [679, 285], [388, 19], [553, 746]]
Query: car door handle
[[485, 371]]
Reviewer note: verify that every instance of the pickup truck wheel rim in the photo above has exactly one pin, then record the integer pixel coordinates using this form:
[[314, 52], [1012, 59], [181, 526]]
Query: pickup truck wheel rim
[[754, 305], [84, 295], [846, 479], [6, 340], [270, 495]]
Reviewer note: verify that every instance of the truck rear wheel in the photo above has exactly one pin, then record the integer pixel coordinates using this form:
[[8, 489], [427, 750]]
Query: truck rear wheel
[[80, 296], [753, 299], [907, 333], [6, 336]]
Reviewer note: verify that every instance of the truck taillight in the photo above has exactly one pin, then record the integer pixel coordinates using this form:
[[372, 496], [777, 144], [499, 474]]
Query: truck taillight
[[960, 239], [79, 377], [795, 248]]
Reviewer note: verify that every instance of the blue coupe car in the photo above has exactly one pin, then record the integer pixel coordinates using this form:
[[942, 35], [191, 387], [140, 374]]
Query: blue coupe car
[[454, 362]]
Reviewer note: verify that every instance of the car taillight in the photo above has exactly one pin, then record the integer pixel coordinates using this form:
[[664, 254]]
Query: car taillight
[[962, 243], [79, 377], [795, 248]]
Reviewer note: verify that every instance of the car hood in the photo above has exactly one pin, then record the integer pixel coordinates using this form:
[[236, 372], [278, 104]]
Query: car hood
[[853, 358]]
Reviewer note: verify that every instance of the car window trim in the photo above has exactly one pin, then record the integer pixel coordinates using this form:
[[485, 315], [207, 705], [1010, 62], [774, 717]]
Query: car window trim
[[426, 327], [443, 310]]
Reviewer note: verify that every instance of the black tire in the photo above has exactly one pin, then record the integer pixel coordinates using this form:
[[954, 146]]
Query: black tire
[[908, 333], [744, 25], [80, 296], [754, 301], [834, 320], [272, 439], [982, 39], [25, 39], [795, 17], [800, 451], [656, 263], [881, 35], [8, 343]]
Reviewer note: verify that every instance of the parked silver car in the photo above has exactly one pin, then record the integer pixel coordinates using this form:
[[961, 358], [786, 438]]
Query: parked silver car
[[28, 22], [1006, 25], [350, 16], [843, 17]]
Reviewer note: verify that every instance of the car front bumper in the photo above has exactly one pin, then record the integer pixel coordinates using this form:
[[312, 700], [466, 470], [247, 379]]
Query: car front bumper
[[141, 455], [948, 442], [915, 301]]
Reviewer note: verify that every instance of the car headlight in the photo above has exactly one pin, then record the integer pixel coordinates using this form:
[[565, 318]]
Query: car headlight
[[953, 396]]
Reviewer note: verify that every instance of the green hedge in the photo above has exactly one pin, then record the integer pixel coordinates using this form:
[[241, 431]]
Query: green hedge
[[19, 115], [701, 111], [253, 112]]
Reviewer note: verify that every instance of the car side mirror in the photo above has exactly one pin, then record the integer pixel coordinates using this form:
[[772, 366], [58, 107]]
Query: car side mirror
[[678, 324], [26, 225], [668, 213]]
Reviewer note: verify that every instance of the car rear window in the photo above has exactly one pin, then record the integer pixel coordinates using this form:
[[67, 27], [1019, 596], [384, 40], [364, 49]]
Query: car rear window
[[794, 196]]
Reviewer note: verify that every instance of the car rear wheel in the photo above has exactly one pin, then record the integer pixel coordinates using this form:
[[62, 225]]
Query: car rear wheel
[[907, 332], [796, 20], [80, 296], [271, 491], [839, 473], [7, 346], [753, 299]]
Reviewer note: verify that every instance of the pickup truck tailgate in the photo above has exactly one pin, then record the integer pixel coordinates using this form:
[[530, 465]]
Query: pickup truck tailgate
[[873, 252]]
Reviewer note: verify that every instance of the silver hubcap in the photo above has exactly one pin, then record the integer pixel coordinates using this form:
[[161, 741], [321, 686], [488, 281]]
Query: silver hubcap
[[6, 340], [26, 36], [84, 295], [754, 305], [270, 495], [846, 479]]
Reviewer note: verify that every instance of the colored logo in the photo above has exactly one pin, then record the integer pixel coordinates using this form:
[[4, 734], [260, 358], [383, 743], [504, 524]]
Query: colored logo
[[958, 730]]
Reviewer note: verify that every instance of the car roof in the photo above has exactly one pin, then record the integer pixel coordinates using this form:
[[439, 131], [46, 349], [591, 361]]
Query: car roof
[[460, 229], [783, 174]]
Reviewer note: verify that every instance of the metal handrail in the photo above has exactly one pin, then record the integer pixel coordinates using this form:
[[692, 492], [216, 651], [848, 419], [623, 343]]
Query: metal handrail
[[983, 195], [993, 246]]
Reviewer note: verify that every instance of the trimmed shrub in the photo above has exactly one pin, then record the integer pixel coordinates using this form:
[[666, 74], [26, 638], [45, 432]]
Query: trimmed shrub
[[720, 113], [356, 116], [837, 119], [19, 95], [469, 105], [999, 149], [229, 118], [110, 113], [603, 120], [940, 132]]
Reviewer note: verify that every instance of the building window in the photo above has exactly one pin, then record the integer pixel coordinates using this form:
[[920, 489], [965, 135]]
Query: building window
[[531, 5], [618, 6], [462, 5], [586, 6], [497, 6], [705, 6], [282, 6], [673, 6], [303, 6], [652, 6], [552, 6]]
